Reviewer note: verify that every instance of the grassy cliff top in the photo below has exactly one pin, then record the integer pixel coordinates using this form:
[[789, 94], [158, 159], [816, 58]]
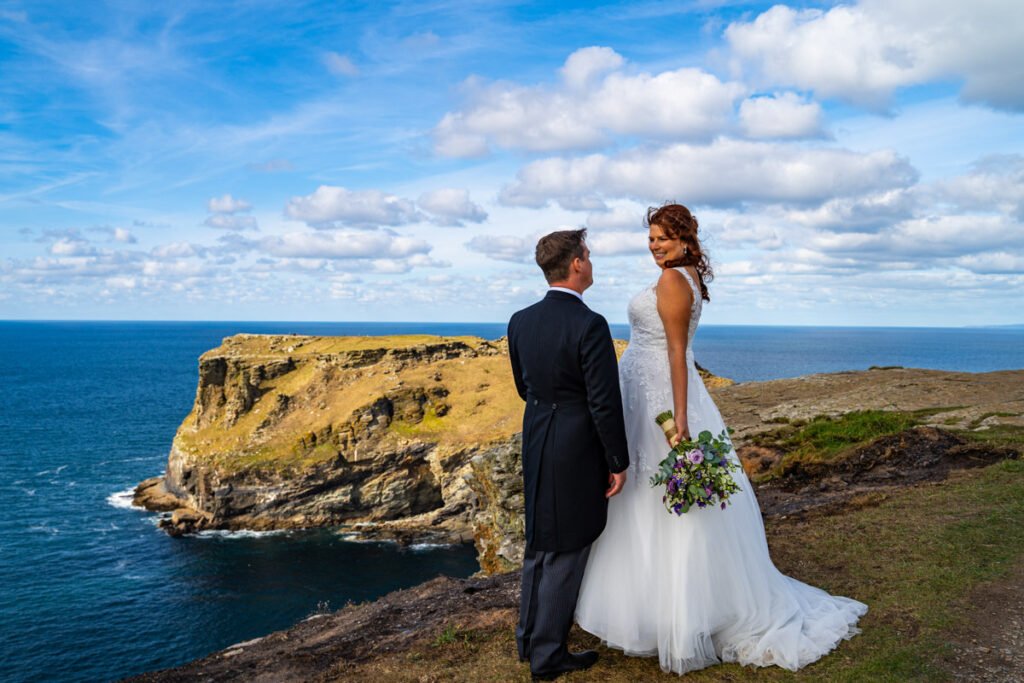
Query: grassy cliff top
[[299, 345]]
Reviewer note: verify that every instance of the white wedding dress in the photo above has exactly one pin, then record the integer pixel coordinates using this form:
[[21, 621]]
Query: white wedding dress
[[700, 588]]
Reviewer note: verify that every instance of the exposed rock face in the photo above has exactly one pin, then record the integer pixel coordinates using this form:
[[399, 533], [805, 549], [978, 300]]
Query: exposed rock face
[[416, 438], [291, 431]]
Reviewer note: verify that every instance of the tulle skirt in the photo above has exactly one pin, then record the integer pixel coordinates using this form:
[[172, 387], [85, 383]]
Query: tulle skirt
[[701, 588]]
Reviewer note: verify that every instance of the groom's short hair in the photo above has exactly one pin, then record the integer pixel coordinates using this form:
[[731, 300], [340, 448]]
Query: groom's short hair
[[556, 251]]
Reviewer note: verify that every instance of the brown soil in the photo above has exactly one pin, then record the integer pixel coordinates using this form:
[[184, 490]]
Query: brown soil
[[865, 474], [990, 648]]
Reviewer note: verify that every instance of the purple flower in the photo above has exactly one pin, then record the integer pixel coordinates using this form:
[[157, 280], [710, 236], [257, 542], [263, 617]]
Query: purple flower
[[677, 507], [695, 456], [723, 505], [707, 490]]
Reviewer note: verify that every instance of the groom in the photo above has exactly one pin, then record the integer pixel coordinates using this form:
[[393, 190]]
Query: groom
[[574, 447]]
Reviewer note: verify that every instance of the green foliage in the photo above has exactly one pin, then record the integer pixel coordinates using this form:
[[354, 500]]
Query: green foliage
[[451, 635], [824, 437], [1010, 436]]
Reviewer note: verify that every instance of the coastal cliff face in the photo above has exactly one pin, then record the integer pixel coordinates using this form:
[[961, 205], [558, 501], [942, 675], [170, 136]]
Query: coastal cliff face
[[374, 434], [415, 438]]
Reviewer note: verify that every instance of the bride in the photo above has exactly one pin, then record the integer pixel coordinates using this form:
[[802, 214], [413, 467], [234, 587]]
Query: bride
[[700, 588]]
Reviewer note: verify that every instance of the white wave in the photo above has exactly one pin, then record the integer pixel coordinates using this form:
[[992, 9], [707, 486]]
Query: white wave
[[29, 492], [123, 499], [426, 547], [42, 528], [57, 471], [239, 533]]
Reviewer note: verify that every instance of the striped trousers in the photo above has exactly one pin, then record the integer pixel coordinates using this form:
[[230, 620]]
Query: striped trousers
[[550, 587]]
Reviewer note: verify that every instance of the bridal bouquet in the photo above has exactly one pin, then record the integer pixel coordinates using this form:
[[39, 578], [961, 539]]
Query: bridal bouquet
[[695, 472]]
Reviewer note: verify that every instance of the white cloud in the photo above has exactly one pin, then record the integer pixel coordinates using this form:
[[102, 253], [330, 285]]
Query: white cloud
[[993, 262], [121, 282], [726, 172], [340, 65], [617, 242], [503, 247], [586, 64], [223, 221], [596, 98], [867, 212], [227, 204], [623, 217], [70, 246], [451, 207], [176, 250], [344, 245], [994, 184], [747, 232], [783, 115], [330, 205], [923, 238], [863, 52], [124, 235]]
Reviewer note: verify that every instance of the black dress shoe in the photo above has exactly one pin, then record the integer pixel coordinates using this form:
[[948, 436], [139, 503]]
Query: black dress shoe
[[574, 662]]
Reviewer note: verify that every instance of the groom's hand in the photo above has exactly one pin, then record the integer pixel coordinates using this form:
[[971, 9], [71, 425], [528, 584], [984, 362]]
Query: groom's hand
[[615, 483]]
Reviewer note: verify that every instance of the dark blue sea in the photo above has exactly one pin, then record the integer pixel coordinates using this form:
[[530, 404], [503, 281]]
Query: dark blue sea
[[90, 590]]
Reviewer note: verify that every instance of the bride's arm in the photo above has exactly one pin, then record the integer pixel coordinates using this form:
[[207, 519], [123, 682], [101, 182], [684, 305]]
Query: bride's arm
[[674, 300]]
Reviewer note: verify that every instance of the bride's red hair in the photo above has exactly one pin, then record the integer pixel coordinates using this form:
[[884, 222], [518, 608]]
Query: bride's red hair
[[678, 223]]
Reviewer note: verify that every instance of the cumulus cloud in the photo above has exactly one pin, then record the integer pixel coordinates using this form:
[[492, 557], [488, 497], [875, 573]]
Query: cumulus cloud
[[994, 183], [223, 221], [227, 204], [747, 232], [72, 246], [863, 52], [330, 206], [617, 242], [344, 245], [871, 211], [993, 262], [451, 207], [926, 237], [503, 247], [595, 98], [783, 115], [340, 65], [622, 217], [726, 172], [124, 235], [586, 64]]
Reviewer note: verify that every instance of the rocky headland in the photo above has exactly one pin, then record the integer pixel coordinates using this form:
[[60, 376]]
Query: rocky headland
[[408, 438]]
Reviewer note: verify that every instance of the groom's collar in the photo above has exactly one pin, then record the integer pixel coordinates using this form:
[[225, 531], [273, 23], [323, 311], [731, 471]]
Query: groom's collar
[[565, 290]]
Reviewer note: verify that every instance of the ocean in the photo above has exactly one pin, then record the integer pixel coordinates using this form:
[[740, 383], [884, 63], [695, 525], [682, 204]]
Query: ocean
[[91, 590]]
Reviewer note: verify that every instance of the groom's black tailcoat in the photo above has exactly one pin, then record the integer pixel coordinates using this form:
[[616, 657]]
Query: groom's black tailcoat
[[564, 365]]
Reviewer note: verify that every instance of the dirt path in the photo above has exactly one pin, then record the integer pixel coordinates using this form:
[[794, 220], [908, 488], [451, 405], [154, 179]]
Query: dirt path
[[990, 648]]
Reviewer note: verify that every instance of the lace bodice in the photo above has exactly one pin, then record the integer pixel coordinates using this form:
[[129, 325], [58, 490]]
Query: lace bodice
[[645, 326], [644, 371]]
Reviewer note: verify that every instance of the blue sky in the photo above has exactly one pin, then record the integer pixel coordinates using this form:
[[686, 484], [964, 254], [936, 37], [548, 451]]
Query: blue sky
[[853, 164]]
